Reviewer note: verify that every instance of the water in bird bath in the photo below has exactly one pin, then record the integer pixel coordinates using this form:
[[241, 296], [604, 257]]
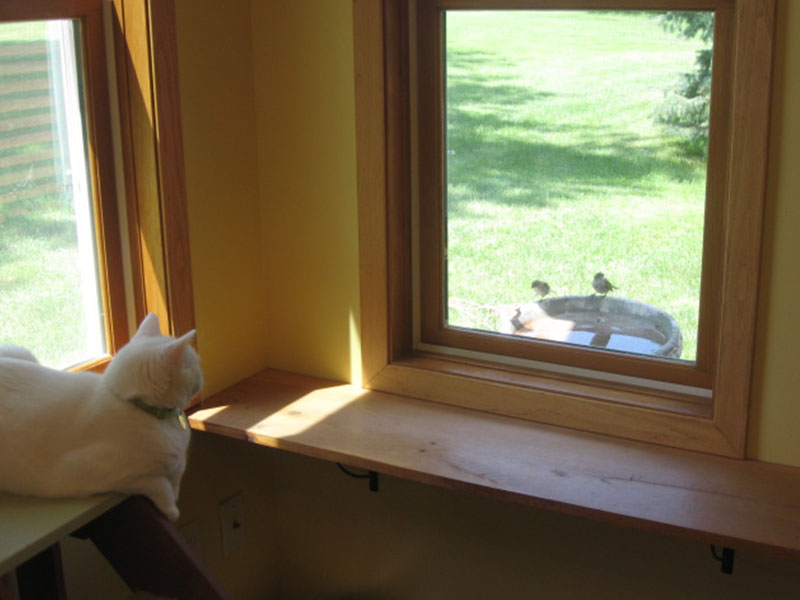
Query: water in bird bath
[[614, 332]]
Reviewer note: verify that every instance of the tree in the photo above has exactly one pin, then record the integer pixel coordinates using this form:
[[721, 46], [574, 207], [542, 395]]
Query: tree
[[687, 107]]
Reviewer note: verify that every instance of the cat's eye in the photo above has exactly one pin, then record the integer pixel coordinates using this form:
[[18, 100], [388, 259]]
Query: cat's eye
[[51, 289]]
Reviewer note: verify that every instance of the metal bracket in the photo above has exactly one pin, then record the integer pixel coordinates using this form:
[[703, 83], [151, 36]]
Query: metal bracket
[[726, 560], [371, 475]]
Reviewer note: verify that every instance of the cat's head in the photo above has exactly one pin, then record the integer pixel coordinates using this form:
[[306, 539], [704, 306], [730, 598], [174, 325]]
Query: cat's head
[[160, 370]]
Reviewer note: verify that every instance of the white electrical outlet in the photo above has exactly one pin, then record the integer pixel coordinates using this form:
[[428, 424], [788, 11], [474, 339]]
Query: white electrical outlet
[[231, 513]]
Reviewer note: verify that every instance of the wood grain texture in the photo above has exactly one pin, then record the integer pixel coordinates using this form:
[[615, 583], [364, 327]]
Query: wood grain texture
[[397, 229], [154, 169], [752, 87], [21, 10], [371, 165], [171, 175], [104, 187], [142, 146], [152, 141], [123, 66], [740, 504]]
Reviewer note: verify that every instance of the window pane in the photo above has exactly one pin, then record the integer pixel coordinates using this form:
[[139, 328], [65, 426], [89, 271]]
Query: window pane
[[576, 146], [49, 286]]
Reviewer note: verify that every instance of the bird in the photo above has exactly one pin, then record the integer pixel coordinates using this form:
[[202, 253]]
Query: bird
[[540, 287], [602, 285]]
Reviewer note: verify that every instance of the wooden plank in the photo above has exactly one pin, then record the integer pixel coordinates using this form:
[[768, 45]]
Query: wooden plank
[[25, 10], [169, 141], [752, 99], [371, 174], [142, 146], [123, 63], [740, 504], [104, 186], [29, 525], [153, 155]]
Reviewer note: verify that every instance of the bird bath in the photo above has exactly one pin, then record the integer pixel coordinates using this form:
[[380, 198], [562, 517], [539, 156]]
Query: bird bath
[[604, 322]]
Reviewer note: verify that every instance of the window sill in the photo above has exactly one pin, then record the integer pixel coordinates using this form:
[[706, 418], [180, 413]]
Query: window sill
[[747, 505]]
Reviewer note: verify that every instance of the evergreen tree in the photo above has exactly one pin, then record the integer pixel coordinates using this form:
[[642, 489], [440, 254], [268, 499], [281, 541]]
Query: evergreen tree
[[687, 107]]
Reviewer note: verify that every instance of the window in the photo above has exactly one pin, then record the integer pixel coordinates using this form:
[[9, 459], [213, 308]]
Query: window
[[511, 120], [72, 146], [558, 165]]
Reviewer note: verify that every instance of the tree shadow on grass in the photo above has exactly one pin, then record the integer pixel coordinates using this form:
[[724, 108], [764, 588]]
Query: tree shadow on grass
[[498, 153]]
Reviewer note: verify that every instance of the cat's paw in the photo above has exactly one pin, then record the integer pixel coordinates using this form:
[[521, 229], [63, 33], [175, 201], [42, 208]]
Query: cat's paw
[[168, 510]]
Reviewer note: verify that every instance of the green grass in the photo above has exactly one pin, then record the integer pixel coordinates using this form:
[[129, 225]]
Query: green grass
[[558, 169], [40, 298], [27, 31], [39, 280]]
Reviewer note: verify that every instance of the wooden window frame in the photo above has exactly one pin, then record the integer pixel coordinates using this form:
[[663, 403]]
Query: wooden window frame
[[432, 179], [386, 62], [152, 158], [99, 145], [152, 151]]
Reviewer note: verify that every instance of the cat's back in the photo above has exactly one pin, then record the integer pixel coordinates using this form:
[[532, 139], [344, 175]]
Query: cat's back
[[25, 384]]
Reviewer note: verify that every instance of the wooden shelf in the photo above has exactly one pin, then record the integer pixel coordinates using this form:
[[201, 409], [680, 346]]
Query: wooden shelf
[[30, 525], [745, 505]]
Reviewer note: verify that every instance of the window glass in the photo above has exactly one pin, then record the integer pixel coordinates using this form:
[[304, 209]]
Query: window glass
[[50, 300], [576, 159]]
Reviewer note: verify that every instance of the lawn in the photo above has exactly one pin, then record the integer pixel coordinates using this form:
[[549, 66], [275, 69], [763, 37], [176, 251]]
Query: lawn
[[558, 168], [40, 280]]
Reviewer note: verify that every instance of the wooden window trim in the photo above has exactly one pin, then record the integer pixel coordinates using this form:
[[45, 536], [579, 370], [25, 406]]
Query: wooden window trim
[[98, 117], [432, 226], [152, 154], [385, 178]]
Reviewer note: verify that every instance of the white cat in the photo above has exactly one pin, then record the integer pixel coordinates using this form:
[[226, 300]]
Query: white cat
[[76, 434]]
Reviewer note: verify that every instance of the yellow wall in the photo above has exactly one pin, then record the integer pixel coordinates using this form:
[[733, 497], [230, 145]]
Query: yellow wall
[[303, 69], [218, 113], [267, 98]]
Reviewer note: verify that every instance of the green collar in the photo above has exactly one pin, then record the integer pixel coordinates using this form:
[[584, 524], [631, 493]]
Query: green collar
[[159, 412]]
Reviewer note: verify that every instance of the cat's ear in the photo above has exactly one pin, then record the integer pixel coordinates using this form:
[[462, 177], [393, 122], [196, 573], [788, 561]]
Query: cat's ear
[[174, 352], [149, 326]]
